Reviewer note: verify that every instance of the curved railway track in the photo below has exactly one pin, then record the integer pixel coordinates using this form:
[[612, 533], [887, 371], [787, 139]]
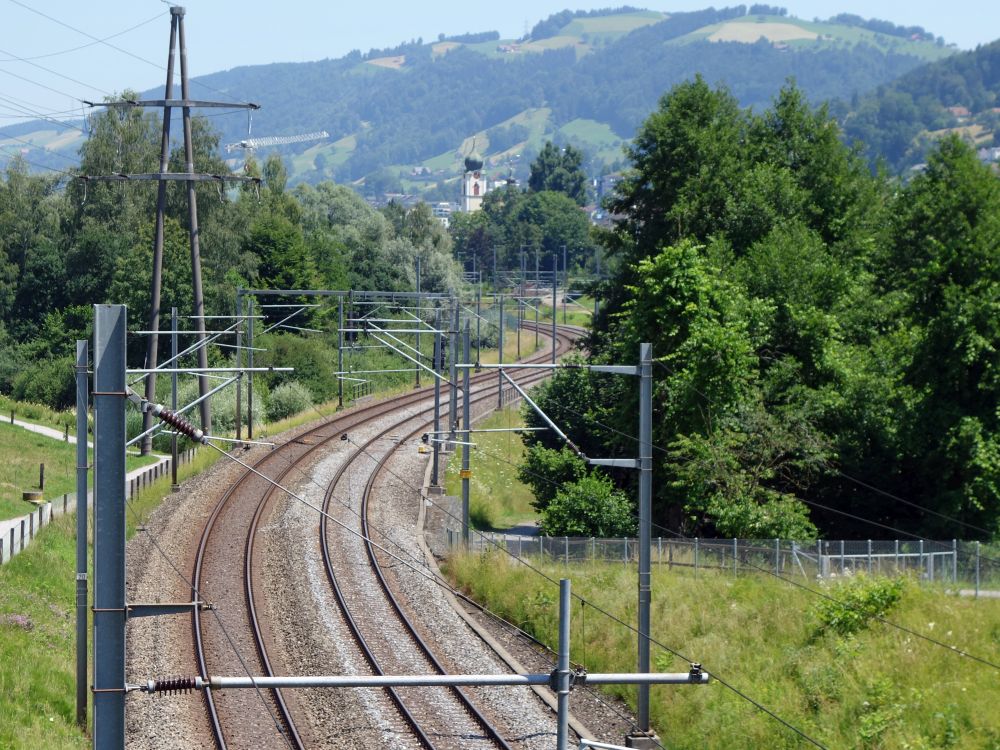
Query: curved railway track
[[237, 718]]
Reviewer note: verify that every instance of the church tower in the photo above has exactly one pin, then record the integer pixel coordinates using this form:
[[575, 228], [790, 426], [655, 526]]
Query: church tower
[[473, 183]]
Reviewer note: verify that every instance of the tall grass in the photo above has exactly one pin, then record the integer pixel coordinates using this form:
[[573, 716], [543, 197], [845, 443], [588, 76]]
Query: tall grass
[[37, 640], [876, 688], [497, 499], [37, 413]]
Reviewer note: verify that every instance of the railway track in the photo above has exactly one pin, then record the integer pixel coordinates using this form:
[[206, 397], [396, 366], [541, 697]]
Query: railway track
[[385, 641]]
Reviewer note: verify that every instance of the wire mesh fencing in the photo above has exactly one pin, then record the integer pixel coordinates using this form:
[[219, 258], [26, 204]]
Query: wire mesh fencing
[[956, 563]]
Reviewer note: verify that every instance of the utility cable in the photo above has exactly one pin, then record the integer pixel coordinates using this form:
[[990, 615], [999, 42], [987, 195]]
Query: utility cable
[[84, 46], [43, 148], [53, 72], [43, 166], [34, 113], [97, 40], [36, 83], [423, 569]]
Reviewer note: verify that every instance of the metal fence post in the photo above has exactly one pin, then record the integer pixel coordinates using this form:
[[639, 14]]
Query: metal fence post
[[777, 557], [869, 557], [954, 561], [735, 557], [696, 553], [922, 558], [897, 556], [109, 526], [977, 570], [566, 550]]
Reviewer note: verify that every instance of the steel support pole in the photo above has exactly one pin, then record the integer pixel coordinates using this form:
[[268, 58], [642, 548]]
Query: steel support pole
[[439, 368], [199, 296], [251, 306], [109, 527], [519, 312], [82, 398], [173, 399], [645, 519], [453, 376], [536, 304], [565, 284], [417, 383], [161, 205], [500, 360], [466, 448], [479, 314], [239, 364], [563, 671], [340, 352], [555, 265]]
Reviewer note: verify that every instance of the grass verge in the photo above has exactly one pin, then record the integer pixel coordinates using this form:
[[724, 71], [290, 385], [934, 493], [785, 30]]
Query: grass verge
[[21, 452], [37, 643], [875, 688], [497, 499]]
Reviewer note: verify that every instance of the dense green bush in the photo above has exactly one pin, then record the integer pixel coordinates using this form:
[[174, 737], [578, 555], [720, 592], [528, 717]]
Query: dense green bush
[[854, 604], [591, 506], [287, 399], [49, 381], [546, 471]]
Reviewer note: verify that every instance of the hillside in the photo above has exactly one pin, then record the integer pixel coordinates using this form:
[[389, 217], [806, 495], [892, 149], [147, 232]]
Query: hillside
[[960, 94], [404, 117]]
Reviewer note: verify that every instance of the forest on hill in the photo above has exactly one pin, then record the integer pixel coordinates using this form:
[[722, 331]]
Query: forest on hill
[[590, 77], [899, 121]]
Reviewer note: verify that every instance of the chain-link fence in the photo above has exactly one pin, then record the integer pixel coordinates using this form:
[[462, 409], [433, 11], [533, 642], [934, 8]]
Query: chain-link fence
[[968, 564]]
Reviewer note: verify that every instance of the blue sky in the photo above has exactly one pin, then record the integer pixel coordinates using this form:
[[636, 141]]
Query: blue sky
[[50, 59]]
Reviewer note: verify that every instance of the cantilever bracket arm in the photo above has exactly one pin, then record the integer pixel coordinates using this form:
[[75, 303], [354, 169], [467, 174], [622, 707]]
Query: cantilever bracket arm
[[552, 425], [415, 361]]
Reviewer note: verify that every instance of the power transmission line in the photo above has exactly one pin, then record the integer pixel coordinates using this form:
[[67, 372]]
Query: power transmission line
[[55, 73], [98, 40], [43, 148], [84, 46]]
